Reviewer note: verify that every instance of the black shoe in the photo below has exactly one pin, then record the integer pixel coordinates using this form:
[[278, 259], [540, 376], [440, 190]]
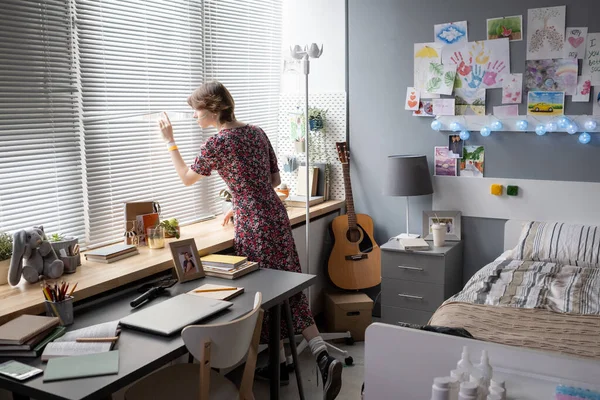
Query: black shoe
[[264, 374], [331, 370]]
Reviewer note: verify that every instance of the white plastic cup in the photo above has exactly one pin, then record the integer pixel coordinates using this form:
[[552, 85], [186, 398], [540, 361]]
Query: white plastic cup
[[468, 391], [440, 390], [439, 235], [498, 391]]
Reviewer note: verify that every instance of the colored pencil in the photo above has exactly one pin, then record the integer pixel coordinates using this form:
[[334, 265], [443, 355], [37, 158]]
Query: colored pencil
[[72, 290], [214, 290], [99, 340]]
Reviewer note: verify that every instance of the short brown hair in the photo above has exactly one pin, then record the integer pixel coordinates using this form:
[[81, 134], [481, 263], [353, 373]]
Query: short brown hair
[[215, 98]]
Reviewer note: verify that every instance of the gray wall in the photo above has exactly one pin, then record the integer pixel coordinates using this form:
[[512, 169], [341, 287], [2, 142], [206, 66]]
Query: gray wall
[[381, 34]]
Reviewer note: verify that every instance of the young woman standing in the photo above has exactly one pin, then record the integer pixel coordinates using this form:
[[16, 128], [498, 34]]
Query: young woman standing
[[244, 158]]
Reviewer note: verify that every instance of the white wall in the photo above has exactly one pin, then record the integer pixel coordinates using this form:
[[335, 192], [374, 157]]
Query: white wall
[[322, 22]]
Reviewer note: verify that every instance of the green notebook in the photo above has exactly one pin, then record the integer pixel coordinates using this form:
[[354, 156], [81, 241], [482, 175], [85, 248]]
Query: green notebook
[[62, 368]]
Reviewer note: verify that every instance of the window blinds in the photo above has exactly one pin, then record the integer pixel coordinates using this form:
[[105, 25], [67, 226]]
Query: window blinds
[[242, 49], [138, 57], [40, 148]]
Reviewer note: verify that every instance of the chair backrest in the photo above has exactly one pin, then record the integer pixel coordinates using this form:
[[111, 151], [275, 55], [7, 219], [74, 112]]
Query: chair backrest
[[229, 341]]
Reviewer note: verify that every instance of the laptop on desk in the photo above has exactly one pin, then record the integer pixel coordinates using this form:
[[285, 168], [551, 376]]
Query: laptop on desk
[[174, 314]]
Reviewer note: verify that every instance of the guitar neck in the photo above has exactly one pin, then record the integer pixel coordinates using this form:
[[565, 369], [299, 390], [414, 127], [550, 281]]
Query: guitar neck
[[349, 199]]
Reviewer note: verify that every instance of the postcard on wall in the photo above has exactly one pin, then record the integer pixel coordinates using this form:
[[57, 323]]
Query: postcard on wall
[[575, 42], [451, 36], [551, 75], [545, 103], [512, 89], [443, 106], [455, 146], [425, 109], [482, 64], [505, 27], [546, 32], [591, 61], [584, 87], [440, 78], [472, 163], [412, 99], [445, 165], [596, 101], [506, 111], [469, 101], [425, 54]]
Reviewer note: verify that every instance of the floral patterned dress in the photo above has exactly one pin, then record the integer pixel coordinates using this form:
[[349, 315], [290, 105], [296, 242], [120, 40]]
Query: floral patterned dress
[[245, 160]]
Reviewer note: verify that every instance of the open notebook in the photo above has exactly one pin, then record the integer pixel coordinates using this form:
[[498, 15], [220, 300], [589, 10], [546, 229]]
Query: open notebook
[[67, 345]]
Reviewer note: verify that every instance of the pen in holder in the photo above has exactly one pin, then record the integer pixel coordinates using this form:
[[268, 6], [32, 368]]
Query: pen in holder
[[61, 309]]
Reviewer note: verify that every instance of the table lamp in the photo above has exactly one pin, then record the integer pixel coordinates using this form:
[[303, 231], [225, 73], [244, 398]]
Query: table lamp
[[407, 175]]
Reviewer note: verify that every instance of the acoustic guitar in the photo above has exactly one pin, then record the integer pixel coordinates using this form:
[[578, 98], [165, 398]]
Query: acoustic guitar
[[355, 260]]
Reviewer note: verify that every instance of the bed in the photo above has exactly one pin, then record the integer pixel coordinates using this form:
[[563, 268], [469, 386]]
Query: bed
[[543, 292]]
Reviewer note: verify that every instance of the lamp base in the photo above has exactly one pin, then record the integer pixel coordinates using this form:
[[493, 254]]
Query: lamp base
[[407, 236]]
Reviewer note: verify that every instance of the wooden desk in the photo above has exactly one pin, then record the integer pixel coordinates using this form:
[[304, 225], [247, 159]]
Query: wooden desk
[[96, 278]]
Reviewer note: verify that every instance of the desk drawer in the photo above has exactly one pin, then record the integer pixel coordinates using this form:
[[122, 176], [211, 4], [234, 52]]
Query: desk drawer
[[413, 267], [395, 315], [413, 295]]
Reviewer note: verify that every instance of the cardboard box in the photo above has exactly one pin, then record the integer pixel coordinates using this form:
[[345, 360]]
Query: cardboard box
[[348, 312]]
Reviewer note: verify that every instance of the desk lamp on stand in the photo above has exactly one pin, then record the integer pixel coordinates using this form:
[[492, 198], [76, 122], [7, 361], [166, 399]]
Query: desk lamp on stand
[[407, 175]]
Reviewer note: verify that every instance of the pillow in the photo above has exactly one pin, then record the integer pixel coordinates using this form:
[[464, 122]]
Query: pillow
[[559, 243]]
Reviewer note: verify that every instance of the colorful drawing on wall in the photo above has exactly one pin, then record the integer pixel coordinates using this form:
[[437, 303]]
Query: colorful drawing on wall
[[512, 89], [440, 78], [584, 87], [545, 103], [412, 99], [591, 61], [469, 101], [575, 42], [551, 75], [545, 32], [472, 163], [506, 111], [425, 109], [445, 165], [482, 64], [455, 146], [424, 54], [505, 27], [443, 106], [596, 106], [451, 36]]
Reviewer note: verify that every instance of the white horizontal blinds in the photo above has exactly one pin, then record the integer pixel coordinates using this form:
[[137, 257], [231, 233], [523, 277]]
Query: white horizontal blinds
[[136, 57], [40, 151], [242, 49]]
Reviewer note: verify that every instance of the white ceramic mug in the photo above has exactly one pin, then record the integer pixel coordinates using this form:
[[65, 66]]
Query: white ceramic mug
[[439, 234]]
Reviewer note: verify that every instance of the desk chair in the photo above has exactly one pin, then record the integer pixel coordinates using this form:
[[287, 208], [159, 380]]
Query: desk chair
[[215, 346]]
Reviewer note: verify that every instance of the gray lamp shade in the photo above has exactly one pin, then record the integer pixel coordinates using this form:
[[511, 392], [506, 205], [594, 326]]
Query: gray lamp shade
[[407, 175]]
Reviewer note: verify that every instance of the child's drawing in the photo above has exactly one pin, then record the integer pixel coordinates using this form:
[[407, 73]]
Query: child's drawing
[[545, 32]]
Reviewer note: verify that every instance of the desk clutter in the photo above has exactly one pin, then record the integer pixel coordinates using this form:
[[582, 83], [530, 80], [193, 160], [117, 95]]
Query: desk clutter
[[90, 340], [59, 301], [28, 335], [111, 254], [227, 266]]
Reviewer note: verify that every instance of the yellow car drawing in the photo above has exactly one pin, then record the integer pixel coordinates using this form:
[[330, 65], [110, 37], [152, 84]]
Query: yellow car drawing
[[539, 107]]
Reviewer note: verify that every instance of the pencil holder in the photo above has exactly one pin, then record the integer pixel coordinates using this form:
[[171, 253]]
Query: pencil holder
[[71, 263], [62, 309]]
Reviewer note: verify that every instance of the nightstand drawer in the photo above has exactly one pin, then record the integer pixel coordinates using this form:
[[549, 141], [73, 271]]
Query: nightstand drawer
[[413, 267], [413, 295], [394, 315]]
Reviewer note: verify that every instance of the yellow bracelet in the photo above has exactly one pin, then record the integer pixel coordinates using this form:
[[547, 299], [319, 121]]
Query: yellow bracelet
[[174, 147]]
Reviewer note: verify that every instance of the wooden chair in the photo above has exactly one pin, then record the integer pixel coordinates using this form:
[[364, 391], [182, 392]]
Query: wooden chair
[[215, 346]]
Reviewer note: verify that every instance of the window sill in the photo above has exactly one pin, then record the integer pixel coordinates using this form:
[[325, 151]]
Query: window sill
[[96, 278]]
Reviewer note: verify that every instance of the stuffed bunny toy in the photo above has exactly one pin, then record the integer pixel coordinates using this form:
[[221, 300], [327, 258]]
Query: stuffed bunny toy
[[33, 256]]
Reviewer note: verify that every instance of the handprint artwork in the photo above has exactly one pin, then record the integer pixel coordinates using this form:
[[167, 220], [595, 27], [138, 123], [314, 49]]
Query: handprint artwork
[[482, 65], [545, 32]]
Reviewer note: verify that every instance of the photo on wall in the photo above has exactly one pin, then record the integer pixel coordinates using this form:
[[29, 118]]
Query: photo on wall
[[472, 163], [455, 146], [445, 164], [545, 103]]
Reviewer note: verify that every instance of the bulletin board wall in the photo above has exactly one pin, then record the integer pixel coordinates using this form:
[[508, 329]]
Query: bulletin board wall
[[381, 36]]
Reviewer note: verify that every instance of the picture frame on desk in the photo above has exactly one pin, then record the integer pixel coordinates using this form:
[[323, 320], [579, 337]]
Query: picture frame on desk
[[450, 218], [186, 260]]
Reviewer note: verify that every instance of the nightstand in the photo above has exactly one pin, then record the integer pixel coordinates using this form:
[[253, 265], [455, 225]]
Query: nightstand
[[415, 283]]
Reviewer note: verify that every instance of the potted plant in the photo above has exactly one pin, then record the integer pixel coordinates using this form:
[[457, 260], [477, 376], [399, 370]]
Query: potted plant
[[298, 131], [64, 247], [227, 197], [6, 243], [320, 152], [171, 227], [316, 118]]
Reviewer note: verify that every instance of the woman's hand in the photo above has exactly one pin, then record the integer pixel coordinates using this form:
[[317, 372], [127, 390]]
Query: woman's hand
[[165, 128], [228, 217]]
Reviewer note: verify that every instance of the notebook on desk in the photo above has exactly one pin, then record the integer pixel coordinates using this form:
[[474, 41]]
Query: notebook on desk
[[174, 314]]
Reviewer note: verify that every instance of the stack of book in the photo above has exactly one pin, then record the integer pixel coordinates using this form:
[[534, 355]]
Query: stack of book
[[228, 267], [111, 254], [28, 335]]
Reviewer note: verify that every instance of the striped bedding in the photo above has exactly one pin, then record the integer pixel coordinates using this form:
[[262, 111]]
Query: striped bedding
[[534, 285]]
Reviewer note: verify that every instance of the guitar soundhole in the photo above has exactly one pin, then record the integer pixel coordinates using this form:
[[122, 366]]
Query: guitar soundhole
[[353, 235]]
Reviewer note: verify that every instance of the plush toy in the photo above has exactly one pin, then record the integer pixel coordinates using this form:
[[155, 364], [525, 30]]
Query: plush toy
[[33, 256]]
